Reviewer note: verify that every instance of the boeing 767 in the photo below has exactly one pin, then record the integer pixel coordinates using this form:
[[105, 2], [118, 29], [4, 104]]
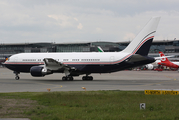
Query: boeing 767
[[75, 64]]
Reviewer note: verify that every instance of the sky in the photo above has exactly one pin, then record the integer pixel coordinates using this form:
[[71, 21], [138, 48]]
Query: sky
[[75, 21]]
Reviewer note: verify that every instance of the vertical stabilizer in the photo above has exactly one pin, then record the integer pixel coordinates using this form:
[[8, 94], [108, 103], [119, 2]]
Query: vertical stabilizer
[[100, 49], [142, 42], [164, 58]]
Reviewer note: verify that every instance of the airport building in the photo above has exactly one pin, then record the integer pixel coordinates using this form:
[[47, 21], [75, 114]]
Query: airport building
[[169, 47]]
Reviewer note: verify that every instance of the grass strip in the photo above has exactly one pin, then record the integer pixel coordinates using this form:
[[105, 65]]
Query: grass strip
[[89, 105]]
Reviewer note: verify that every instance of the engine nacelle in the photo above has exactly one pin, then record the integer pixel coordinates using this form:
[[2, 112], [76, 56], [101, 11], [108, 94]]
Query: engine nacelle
[[149, 66], [38, 71]]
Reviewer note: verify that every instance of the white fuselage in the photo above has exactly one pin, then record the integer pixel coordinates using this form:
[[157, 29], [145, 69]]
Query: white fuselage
[[69, 58]]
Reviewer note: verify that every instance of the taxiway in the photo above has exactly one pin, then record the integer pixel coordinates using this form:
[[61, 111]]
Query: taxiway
[[123, 80]]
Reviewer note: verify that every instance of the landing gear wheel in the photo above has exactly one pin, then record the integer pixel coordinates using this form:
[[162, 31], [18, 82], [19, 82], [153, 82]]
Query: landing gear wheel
[[70, 78], [87, 78], [16, 73], [90, 78], [67, 78], [84, 78], [17, 77], [63, 78]]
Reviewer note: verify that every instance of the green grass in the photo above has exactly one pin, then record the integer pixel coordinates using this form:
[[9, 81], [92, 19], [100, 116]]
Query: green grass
[[91, 105]]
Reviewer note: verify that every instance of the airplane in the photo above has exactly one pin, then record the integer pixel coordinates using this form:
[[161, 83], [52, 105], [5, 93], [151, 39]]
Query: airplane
[[153, 65], [158, 61], [166, 62], [75, 64]]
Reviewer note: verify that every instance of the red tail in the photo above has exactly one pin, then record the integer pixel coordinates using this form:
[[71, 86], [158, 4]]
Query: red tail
[[166, 62], [164, 59]]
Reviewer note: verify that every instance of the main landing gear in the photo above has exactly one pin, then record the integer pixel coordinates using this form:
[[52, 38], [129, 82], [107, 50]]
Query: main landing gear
[[67, 78], [17, 77], [87, 77], [70, 78]]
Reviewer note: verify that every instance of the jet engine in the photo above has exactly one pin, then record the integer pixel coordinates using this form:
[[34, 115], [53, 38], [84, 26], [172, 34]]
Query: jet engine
[[149, 66], [38, 71]]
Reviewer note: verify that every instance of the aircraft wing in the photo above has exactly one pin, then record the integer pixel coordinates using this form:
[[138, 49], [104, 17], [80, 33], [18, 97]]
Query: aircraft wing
[[159, 58], [52, 64]]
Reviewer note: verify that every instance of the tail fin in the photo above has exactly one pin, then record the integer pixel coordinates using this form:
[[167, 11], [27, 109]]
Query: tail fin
[[142, 42], [100, 49], [164, 58]]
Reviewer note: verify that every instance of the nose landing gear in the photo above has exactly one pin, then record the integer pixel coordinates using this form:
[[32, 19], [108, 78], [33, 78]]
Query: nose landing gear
[[17, 77]]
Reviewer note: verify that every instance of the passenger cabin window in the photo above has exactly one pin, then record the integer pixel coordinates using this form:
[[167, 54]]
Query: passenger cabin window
[[90, 60], [75, 60], [65, 59], [29, 60]]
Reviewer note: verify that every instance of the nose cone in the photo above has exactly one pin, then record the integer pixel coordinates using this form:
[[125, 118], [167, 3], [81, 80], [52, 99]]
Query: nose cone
[[8, 64]]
